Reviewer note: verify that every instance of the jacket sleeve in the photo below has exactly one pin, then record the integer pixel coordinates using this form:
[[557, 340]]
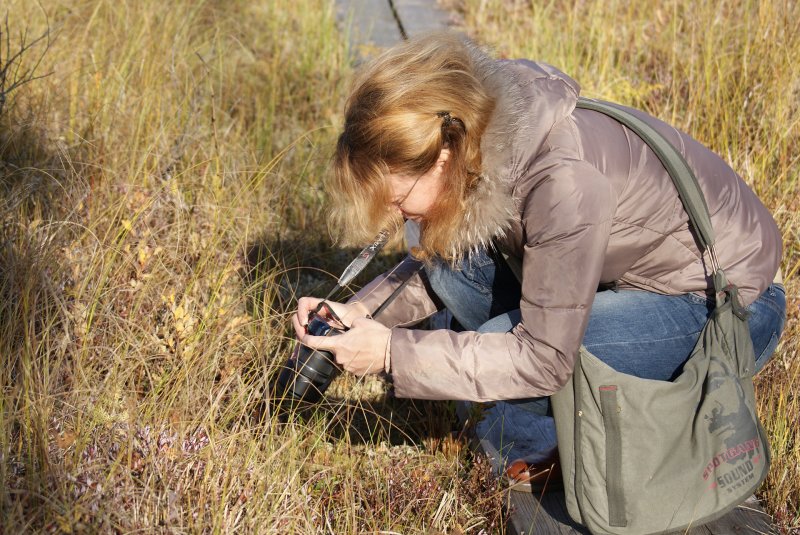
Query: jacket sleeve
[[567, 220], [412, 305]]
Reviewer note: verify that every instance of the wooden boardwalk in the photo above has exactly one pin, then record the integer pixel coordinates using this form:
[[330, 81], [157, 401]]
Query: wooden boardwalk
[[375, 24], [545, 512]]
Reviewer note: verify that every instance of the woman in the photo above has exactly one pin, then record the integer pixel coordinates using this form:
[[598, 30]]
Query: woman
[[491, 158]]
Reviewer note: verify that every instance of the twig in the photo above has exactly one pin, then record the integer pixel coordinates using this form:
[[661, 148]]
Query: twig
[[213, 98], [10, 76]]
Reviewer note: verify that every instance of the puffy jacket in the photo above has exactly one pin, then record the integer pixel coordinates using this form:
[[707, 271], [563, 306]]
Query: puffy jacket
[[581, 201]]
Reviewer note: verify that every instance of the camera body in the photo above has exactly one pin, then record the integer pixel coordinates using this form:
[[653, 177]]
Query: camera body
[[306, 376]]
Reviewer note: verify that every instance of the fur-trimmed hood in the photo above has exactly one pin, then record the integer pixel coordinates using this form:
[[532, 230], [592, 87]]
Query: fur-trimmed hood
[[530, 98]]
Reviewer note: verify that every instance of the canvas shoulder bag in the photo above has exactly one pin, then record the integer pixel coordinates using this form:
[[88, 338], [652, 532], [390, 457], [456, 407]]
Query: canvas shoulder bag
[[642, 456]]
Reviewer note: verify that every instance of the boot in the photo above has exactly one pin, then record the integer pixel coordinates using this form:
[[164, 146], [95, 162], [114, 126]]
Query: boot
[[535, 472]]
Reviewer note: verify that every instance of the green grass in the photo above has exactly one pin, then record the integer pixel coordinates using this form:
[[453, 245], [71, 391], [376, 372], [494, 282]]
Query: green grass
[[161, 207]]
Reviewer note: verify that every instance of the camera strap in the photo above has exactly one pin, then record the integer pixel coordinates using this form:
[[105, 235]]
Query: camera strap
[[396, 292], [327, 307], [324, 305]]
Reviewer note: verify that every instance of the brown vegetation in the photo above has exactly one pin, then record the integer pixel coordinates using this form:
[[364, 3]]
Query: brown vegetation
[[161, 201]]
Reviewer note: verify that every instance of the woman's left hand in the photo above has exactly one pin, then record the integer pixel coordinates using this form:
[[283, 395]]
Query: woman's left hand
[[360, 350]]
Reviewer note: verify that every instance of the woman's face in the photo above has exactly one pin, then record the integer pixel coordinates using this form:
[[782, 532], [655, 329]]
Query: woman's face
[[414, 196]]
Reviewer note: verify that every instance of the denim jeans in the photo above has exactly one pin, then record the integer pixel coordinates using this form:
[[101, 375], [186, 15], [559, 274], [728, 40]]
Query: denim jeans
[[639, 333]]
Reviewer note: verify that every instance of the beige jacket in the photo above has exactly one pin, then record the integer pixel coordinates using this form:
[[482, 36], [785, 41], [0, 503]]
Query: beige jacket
[[580, 200]]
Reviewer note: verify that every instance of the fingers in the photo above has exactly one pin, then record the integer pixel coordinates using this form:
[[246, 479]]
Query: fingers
[[362, 349], [304, 306], [305, 338], [299, 328], [346, 311], [326, 343]]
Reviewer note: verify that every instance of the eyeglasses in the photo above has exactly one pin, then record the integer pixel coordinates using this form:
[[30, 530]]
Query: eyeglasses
[[402, 199]]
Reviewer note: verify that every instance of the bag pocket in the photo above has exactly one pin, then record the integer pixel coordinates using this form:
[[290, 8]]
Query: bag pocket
[[614, 486], [648, 455]]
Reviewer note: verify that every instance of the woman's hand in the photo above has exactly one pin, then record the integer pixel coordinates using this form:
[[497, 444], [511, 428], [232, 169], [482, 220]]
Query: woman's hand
[[360, 351], [347, 312]]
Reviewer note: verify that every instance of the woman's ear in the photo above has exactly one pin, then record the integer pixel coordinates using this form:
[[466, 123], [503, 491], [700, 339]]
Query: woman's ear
[[444, 155]]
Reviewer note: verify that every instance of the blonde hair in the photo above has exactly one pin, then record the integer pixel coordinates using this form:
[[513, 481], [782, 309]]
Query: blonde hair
[[406, 105]]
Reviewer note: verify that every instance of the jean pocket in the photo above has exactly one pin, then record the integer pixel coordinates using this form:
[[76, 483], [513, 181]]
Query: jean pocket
[[773, 298], [695, 299]]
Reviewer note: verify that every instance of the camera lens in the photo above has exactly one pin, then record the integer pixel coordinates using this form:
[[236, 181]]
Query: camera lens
[[306, 377]]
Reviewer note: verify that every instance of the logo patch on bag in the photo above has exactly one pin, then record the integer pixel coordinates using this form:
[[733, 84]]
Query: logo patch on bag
[[733, 467], [742, 473]]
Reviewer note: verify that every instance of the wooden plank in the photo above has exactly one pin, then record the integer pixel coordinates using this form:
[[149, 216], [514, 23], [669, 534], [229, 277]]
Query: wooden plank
[[748, 518], [421, 16], [542, 514], [370, 24], [545, 513]]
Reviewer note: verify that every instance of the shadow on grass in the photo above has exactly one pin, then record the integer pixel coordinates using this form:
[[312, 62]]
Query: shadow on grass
[[279, 270], [390, 420], [282, 268], [396, 421], [37, 185]]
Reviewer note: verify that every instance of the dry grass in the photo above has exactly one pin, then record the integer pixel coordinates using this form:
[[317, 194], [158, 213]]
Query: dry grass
[[158, 192], [727, 73]]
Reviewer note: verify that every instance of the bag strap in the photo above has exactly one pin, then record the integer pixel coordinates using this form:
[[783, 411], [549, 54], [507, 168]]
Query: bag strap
[[679, 171]]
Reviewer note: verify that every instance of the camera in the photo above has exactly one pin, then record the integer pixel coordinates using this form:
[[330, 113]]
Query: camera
[[306, 376]]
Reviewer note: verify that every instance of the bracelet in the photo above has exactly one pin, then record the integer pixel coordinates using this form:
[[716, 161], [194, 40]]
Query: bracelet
[[387, 355]]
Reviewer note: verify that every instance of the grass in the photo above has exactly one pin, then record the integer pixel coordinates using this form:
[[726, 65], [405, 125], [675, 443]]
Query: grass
[[161, 208], [160, 189]]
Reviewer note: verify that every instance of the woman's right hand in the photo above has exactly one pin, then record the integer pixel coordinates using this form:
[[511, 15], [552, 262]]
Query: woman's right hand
[[347, 312]]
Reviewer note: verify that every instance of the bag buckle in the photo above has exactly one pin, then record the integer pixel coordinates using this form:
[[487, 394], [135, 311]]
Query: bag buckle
[[732, 291]]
